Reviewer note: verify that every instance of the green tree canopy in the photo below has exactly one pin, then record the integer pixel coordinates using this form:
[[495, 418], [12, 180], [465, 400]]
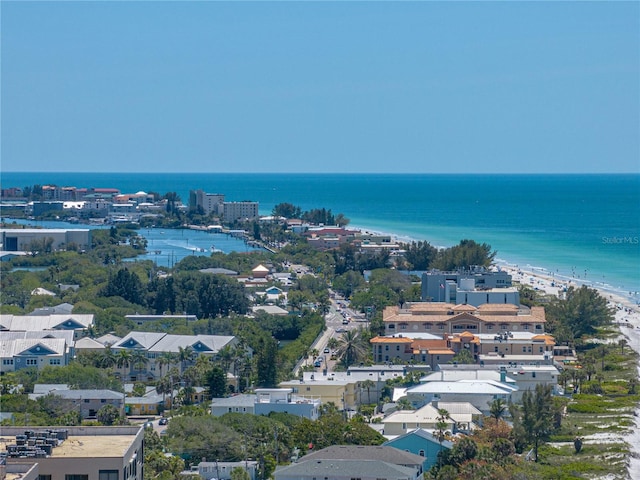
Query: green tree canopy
[[579, 313]]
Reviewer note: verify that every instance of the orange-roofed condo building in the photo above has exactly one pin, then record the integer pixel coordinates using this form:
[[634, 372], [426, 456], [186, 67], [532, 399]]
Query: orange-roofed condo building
[[433, 332]]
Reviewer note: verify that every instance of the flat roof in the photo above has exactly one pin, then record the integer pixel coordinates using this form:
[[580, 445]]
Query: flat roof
[[93, 446], [84, 446]]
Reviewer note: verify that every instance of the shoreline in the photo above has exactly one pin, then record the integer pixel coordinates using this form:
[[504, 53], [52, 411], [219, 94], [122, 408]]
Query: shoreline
[[627, 319], [567, 275]]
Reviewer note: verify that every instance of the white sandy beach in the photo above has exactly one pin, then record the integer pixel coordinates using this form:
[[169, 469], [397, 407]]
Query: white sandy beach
[[627, 317]]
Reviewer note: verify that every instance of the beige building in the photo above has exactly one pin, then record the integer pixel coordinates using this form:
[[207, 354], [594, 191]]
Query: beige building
[[342, 393], [87, 453], [232, 211], [403, 349], [445, 318]]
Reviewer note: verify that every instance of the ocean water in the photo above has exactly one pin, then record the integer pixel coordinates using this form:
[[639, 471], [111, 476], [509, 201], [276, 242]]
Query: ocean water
[[580, 227]]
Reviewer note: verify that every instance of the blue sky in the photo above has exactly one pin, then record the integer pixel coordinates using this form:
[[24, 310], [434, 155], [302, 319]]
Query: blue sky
[[424, 87]]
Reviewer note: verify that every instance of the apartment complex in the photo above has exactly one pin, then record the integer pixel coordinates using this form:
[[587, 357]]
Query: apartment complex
[[445, 318], [474, 286]]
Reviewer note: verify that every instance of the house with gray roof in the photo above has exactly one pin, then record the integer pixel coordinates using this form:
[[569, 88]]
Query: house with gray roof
[[345, 470], [243, 403], [219, 271], [154, 344], [16, 354], [62, 309], [355, 461], [222, 470], [87, 401], [78, 323], [267, 400]]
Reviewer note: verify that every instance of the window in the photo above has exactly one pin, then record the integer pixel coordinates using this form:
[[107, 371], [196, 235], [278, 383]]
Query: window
[[421, 453], [44, 477], [427, 326], [54, 361], [76, 477], [524, 349], [392, 326], [525, 326], [489, 326], [86, 400], [541, 349], [32, 361], [397, 348], [503, 326], [386, 347], [108, 475], [403, 326], [538, 327], [8, 361], [441, 326], [103, 400]]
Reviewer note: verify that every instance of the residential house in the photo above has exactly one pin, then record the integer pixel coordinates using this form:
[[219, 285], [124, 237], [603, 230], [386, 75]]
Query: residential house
[[462, 417], [283, 400], [355, 461], [267, 400], [480, 393], [342, 393], [525, 376], [222, 470], [420, 442], [241, 403], [87, 401]]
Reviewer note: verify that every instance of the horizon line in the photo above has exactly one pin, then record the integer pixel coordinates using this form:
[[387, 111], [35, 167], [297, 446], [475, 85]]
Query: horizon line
[[322, 173]]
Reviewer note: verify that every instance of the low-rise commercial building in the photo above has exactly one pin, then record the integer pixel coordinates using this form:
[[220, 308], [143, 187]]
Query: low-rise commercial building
[[77, 453], [53, 239]]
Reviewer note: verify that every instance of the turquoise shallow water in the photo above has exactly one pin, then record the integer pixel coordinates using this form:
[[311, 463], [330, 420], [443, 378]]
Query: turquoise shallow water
[[571, 225]]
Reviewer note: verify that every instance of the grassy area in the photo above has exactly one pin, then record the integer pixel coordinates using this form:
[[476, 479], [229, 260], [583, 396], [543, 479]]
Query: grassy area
[[601, 420]]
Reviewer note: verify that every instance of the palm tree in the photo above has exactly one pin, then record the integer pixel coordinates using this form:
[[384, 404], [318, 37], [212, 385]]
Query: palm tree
[[441, 427], [497, 409], [123, 358], [185, 355], [351, 348], [107, 358], [368, 384], [225, 357], [139, 360], [165, 358]]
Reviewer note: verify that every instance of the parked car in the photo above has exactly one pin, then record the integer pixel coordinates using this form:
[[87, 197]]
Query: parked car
[[326, 350], [163, 421]]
